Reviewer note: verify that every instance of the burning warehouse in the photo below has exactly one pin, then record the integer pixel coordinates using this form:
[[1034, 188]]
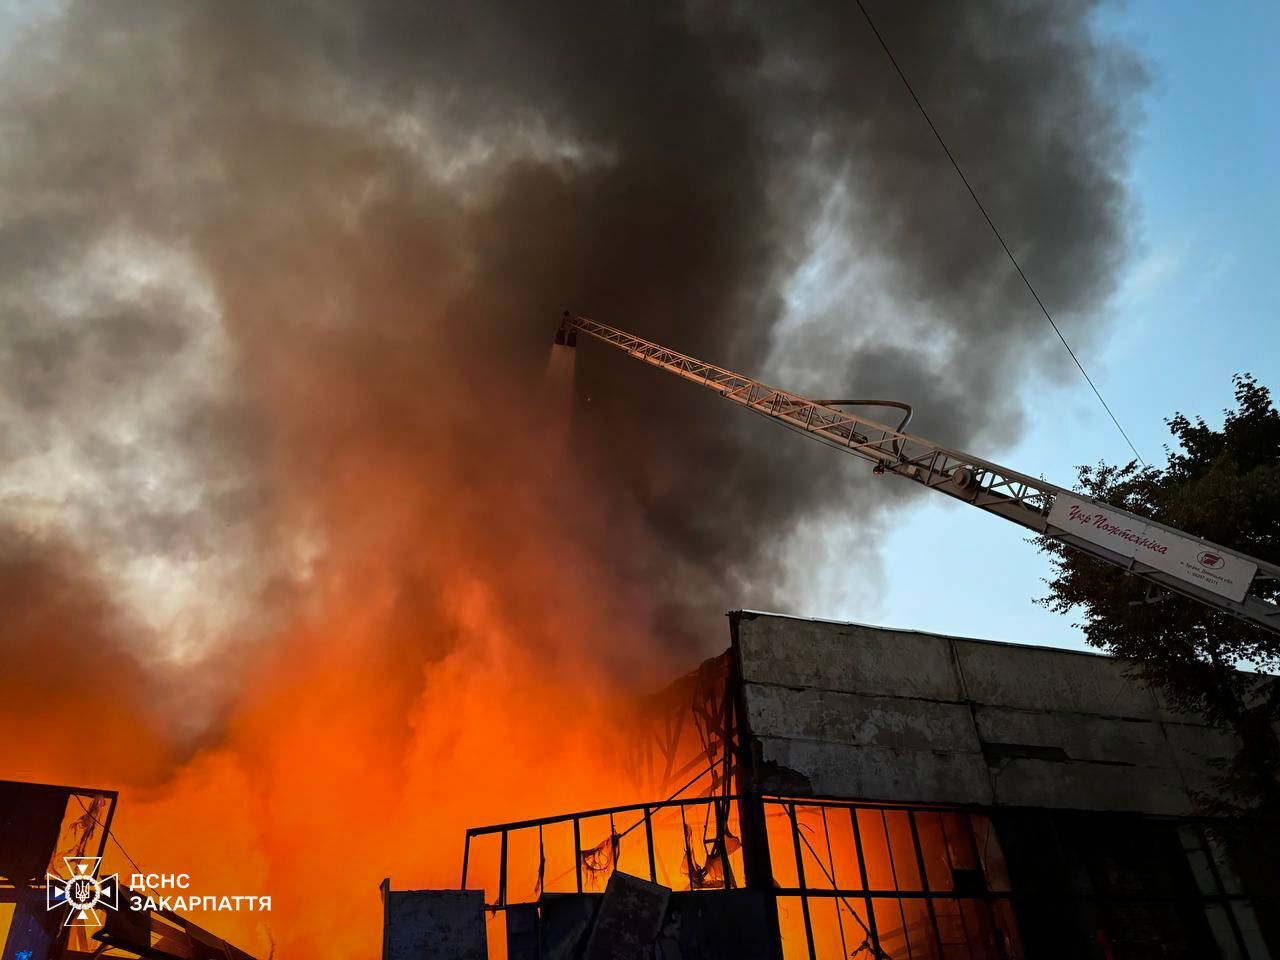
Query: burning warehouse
[[324, 553], [826, 790], [820, 790]]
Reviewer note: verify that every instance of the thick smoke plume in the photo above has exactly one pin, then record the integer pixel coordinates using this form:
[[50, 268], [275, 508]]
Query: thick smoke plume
[[289, 490]]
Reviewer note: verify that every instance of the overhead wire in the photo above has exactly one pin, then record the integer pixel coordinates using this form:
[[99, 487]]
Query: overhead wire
[[994, 229]]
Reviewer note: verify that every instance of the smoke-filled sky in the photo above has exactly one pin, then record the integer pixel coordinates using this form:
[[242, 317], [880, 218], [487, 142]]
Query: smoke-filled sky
[[374, 212], [281, 451]]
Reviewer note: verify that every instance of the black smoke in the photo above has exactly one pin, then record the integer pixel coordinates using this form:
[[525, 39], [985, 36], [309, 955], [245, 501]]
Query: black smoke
[[247, 248]]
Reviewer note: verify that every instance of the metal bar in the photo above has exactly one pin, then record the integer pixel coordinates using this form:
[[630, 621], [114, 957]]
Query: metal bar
[[974, 852], [586, 814], [466, 857], [862, 872], [897, 884], [68, 788], [688, 848], [697, 801], [804, 897], [1190, 901], [722, 831], [577, 851], [1222, 889], [924, 879], [1056, 895], [615, 846], [888, 845], [776, 798], [106, 824], [831, 862], [648, 836], [964, 927], [967, 830], [502, 871], [542, 865]]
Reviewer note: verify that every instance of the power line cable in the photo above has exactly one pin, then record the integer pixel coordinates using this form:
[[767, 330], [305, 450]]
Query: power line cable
[[991, 223]]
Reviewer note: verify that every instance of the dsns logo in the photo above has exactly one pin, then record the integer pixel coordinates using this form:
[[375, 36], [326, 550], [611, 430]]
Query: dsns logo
[[83, 893], [1207, 558]]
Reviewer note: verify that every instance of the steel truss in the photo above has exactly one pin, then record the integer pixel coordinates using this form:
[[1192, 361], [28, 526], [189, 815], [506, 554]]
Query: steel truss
[[1014, 496]]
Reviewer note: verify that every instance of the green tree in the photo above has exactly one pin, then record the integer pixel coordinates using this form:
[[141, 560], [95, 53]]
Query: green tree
[[1222, 485]]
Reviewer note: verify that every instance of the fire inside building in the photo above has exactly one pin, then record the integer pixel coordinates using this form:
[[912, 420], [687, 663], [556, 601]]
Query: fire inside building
[[828, 790], [44, 831]]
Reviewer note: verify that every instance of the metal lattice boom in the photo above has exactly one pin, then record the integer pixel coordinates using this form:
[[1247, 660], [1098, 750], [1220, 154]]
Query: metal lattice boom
[[988, 486]]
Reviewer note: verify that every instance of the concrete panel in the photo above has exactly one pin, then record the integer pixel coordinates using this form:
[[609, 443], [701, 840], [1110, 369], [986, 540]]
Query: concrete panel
[[433, 925], [629, 919], [1058, 680], [844, 710], [1081, 737], [718, 925], [1090, 786], [804, 653], [566, 921], [874, 772], [849, 718], [522, 932]]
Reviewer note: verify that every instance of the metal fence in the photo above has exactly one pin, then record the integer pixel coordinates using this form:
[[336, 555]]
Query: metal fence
[[895, 881]]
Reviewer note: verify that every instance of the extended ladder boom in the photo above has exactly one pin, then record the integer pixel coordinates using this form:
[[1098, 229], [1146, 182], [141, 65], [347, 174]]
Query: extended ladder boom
[[1224, 579]]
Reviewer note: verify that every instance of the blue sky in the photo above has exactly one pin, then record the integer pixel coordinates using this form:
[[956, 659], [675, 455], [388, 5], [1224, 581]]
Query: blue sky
[[1200, 301]]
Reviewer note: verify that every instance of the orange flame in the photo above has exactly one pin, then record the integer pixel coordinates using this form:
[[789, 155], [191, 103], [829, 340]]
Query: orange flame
[[456, 655]]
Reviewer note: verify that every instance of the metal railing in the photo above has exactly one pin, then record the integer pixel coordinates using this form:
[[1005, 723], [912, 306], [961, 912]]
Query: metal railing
[[640, 815]]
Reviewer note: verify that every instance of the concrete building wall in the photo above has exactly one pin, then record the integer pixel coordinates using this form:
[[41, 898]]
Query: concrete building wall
[[850, 711]]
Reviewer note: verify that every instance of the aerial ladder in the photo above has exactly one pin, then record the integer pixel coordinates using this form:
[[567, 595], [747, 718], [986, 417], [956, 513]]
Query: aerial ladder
[[1166, 558]]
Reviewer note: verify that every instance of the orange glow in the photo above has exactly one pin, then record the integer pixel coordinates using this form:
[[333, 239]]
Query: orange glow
[[456, 655]]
